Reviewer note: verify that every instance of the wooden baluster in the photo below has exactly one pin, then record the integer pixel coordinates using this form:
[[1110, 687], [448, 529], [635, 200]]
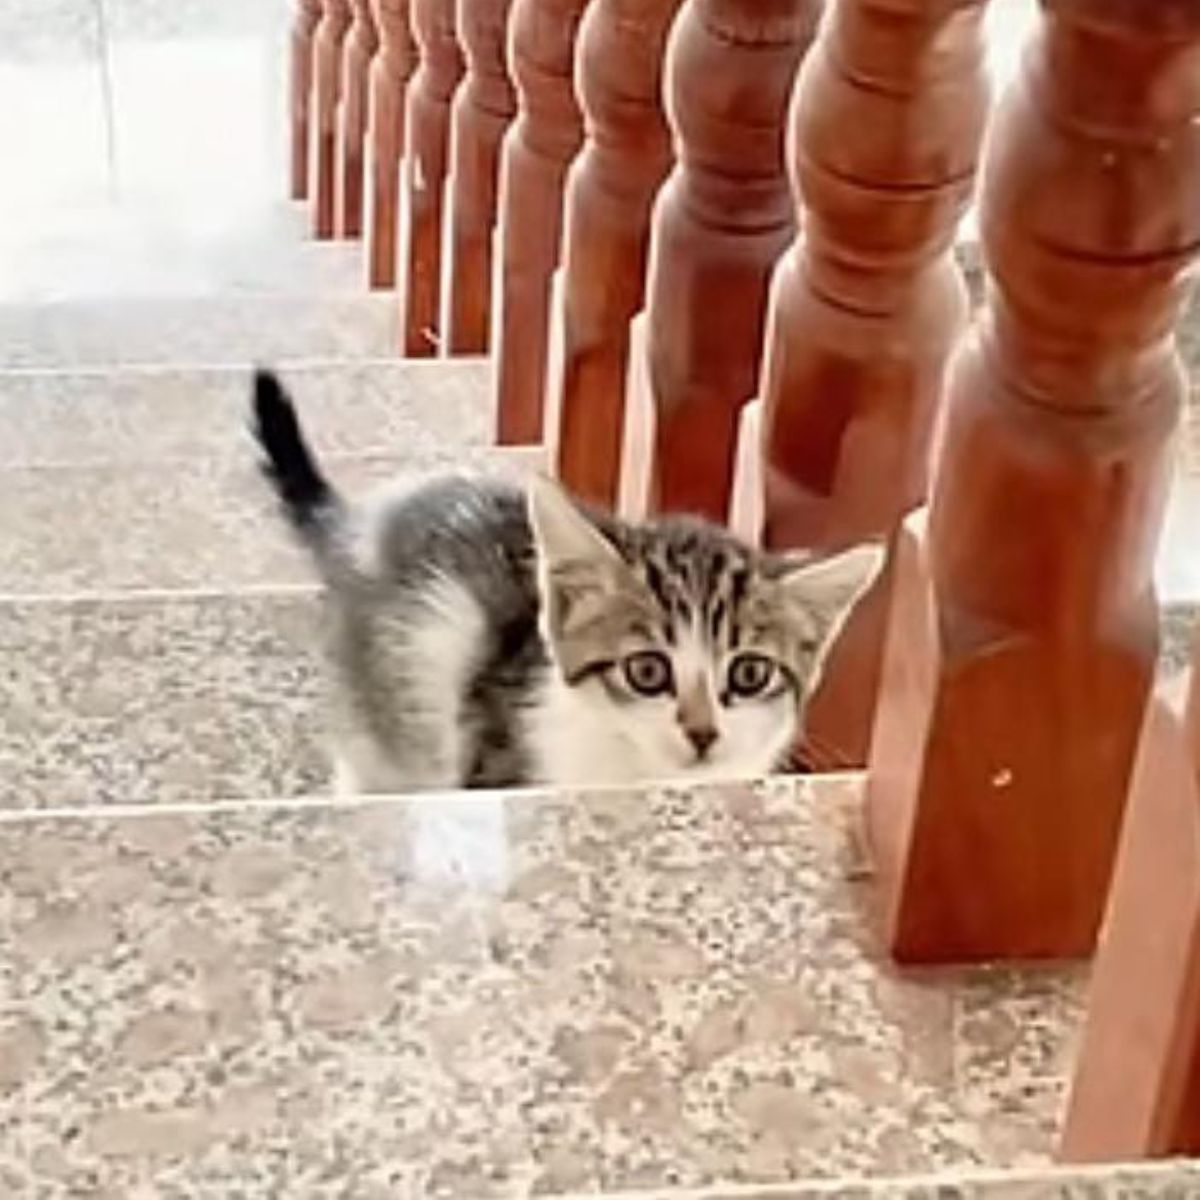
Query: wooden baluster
[[539, 146], [390, 71], [1137, 1083], [327, 71], [308, 13], [428, 135], [866, 307], [361, 43], [1023, 631], [483, 108], [723, 219], [610, 189]]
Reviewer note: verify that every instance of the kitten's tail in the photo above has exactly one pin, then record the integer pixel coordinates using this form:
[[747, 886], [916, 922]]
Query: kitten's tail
[[309, 501]]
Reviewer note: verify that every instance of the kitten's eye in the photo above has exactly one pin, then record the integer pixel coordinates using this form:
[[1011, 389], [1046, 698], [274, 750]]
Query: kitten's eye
[[648, 672], [749, 674]]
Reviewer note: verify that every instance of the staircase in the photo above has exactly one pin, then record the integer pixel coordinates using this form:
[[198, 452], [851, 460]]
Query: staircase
[[218, 983], [215, 981]]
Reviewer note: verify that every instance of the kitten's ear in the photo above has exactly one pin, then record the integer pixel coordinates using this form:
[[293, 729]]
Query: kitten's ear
[[564, 534], [828, 587]]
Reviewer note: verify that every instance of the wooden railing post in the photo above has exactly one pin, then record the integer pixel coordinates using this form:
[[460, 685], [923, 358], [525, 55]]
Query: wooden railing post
[[361, 43], [390, 71], [427, 136], [327, 76], [610, 189], [1023, 630], [1137, 1081], [483, 108], [537, 150], [722, 220], [308, 13], [867, 305]]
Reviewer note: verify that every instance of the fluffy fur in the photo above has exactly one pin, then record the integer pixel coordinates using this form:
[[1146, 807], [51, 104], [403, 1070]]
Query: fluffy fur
[[482, 636]]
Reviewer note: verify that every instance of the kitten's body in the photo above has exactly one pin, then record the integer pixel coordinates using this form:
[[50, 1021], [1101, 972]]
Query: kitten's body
[[478, 636]]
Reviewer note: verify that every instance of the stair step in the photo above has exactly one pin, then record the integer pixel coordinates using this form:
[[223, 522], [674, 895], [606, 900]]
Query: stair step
[[1172, 1179], [149, 480], [133, 414], [230, 328], [480, 996], [159, 697], [202, 524]]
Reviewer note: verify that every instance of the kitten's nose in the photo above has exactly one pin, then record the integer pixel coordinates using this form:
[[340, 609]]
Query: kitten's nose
[[701, 737]]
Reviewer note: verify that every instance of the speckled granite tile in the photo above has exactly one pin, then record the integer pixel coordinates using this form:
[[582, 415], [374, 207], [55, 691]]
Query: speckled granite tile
[[204, 523], [474, 996], [209, 329], [122, 415], [1015, 1041], [1173, 1180], [159, 698]]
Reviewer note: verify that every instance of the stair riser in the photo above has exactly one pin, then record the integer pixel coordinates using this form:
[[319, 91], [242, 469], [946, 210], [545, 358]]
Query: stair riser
[[89, 418], [159, 699]]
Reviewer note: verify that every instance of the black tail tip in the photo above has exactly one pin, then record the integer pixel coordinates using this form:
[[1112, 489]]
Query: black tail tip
[[271, 401], [287, 461]]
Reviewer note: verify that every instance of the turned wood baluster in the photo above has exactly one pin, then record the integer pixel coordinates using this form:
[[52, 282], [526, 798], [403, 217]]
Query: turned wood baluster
[[722, 220], [537, 150], [390, 71], [1137, 1079], [308, 13], [866, 307], [427, 137], [483, 108], [361, 43], [610, 189], [327, 72], [1023, 631]]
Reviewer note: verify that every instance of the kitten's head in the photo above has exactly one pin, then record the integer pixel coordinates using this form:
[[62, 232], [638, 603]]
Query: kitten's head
[[691, 652]]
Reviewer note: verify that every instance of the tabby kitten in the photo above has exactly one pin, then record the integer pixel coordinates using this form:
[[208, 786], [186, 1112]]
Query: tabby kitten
[[482, 636]]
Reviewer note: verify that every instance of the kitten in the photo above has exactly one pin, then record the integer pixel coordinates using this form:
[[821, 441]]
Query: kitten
[[481, 636]]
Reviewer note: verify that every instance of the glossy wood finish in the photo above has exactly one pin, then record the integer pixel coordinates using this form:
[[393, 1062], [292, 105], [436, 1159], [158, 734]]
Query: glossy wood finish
[[1136, 1091], [483, 108], [722, 220], [390, 72], [361, 44], [427, 137], [304, 24], [327, 90], [1023, 632], [868, 304], [610, 189], [539, 147]]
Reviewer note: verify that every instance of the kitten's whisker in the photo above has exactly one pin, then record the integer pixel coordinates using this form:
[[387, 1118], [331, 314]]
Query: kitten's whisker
[[822, 755]]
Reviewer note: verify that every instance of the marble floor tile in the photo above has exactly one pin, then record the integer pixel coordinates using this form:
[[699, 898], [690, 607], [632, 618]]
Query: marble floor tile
[[480, 996]]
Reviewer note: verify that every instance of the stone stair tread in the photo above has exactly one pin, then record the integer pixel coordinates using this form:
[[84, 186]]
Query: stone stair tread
[[207, 523], [159, 697], [491, 994], [237, 327], [133, 414], [1151, 1180]]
